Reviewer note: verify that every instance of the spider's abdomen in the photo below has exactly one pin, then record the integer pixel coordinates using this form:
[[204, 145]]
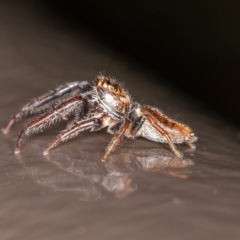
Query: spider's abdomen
[[158, 127], [149, 132]]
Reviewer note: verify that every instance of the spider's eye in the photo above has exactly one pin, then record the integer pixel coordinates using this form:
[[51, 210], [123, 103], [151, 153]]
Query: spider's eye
[[115, 88]]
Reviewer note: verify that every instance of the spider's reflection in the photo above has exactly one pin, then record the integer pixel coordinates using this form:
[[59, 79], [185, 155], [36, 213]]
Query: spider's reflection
[[121, 175]]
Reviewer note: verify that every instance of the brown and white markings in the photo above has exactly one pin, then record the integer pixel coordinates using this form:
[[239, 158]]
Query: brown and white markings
[[103, 104]]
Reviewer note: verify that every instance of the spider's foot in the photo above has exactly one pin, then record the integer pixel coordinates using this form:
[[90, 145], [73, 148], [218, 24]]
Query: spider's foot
[[178, 154], [5, 130], [17, 147], [46, 152], [17, 150], [192, 146], [104, 157]]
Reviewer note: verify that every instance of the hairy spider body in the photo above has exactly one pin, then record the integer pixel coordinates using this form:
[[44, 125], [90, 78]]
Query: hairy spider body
[[103, 104]]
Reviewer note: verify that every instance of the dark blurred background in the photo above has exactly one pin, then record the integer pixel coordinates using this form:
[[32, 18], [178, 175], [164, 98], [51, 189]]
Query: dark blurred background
[[194, 45]]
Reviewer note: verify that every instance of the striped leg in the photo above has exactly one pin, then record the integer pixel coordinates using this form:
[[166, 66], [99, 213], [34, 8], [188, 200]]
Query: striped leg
[[60, 112], [47, 100], [92, 123], [116, 139]]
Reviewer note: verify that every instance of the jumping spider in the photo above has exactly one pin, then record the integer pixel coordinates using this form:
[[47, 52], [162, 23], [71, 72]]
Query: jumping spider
[[105, 104]]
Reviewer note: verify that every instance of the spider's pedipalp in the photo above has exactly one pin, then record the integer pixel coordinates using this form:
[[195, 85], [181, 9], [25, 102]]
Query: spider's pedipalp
[[60, 112]]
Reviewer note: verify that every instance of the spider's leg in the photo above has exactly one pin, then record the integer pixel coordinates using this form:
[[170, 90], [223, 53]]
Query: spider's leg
[[191, 145], [47, 100], [136, 125], [59, 112], [116, 139], [72, 132], [154, 122]]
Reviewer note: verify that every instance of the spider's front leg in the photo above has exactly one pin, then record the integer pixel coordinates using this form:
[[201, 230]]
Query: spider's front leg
[[59, 112], [47, 100], [116, 138], [94, 123], [128, 127]]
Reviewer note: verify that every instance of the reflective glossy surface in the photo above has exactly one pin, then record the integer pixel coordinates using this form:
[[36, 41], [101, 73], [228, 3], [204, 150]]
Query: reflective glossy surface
[[143, 191]]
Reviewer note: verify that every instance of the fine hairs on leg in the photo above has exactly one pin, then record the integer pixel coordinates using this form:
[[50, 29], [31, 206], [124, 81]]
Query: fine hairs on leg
[[105, 104]]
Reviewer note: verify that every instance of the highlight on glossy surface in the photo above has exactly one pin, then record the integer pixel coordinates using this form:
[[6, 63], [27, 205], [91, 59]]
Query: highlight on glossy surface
[[71, 194]]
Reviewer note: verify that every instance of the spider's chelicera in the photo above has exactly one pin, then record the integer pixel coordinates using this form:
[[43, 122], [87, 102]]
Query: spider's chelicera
[[103, 104]]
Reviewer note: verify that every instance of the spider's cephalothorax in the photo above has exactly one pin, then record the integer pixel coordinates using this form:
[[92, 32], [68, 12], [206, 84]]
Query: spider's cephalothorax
[[105, 104], [112, 97]]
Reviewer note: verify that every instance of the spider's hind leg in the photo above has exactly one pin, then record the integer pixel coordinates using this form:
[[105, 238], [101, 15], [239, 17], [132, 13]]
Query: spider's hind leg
[[47, 100], [91, 123], [60, 112]]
